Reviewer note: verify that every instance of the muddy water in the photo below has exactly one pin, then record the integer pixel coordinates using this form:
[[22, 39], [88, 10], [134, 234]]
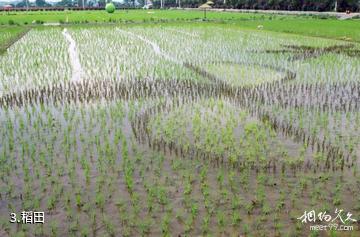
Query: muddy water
[[166, 176]]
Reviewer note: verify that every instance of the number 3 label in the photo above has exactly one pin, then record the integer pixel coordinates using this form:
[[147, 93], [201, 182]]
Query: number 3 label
[[12, 217]]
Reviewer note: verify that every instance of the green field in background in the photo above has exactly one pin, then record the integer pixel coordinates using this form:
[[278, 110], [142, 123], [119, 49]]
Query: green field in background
[[304, 25]]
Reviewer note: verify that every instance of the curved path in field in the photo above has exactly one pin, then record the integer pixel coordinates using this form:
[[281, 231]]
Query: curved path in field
[[184, 33], [155, 47], [77, 71]]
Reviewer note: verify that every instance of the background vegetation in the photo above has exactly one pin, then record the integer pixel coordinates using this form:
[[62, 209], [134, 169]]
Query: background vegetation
[[319, 26], [299, 5]]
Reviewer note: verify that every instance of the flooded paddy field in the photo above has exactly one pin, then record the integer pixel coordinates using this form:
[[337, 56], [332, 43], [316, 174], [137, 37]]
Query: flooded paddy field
[[172, 130]]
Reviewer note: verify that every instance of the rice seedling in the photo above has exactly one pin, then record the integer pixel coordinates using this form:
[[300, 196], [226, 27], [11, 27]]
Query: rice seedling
[[210, 130]]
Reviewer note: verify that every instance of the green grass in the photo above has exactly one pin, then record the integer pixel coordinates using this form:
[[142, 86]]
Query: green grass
[[9, 35], [303, 25], [119, 15], [326, 28]]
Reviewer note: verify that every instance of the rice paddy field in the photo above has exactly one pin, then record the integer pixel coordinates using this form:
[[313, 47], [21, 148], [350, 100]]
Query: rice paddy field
[[196, 129]]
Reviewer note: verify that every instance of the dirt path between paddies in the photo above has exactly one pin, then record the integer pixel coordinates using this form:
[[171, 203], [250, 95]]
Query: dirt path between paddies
[[155, 47], [77, 71]]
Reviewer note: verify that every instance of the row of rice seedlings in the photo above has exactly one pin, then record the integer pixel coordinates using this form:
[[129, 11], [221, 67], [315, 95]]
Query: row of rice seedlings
[[328, 100], [337, 128], [103, 167], [39, 58], [188, 189], [317, 96], [233, 45], [133, 58], [36, 135], [324, 147], [137, 59], [90, 90], [331, 97], [302, 52], [229, 141], [342, 104]]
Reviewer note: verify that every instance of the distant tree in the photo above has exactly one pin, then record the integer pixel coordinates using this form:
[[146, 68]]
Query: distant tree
[[294, 5], [352, 5], [102, 3], [65, 3], [24, 3], [41, 3], [82, 3]]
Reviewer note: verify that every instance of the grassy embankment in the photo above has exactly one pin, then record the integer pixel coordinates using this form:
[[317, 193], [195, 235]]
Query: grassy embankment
[[9, 35]]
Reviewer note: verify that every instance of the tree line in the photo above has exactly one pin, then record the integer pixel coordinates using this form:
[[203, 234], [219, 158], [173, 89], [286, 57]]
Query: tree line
[[292, 5]]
